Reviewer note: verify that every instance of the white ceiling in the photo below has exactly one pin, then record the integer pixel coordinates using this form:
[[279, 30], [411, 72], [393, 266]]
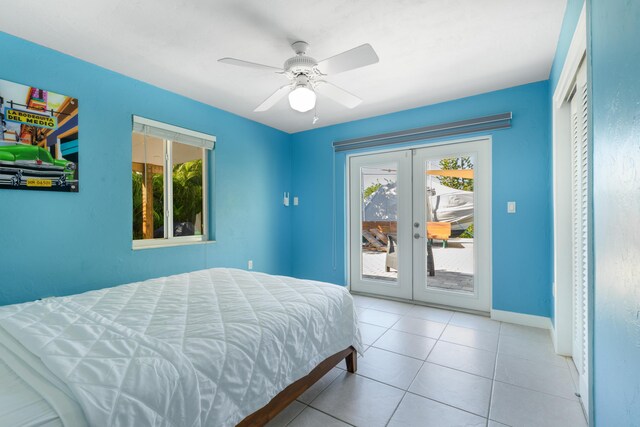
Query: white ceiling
[[430, 50]]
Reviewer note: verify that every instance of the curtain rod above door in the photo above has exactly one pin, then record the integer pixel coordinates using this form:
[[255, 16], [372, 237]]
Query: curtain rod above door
[[480, 124]]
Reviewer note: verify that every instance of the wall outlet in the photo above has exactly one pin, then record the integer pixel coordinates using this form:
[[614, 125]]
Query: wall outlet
[[285, 200], [511, 207], [250, 264]]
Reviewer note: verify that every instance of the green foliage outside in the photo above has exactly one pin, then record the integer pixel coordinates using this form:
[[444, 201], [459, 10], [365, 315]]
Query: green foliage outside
[[187, 191], [370, 190], [187, 196], [455, 163], [468, 233]]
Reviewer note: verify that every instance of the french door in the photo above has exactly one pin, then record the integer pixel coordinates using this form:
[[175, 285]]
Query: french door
[[420, 224], [452, 225], [380, 224]]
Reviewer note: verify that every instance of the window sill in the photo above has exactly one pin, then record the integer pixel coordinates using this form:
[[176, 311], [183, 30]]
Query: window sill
[[160, 244]]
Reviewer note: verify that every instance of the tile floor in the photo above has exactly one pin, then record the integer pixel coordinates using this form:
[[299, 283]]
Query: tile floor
[[430, 367]]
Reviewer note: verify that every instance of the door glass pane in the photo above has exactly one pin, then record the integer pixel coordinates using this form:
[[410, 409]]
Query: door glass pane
[[147, 173], [379, 221], [449, 217], [187, 190]]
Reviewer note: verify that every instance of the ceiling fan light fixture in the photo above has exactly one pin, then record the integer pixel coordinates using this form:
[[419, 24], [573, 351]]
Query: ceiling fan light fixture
[[302, 98], [306, 76]]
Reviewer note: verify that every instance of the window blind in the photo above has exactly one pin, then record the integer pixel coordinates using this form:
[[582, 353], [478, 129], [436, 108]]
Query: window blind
[[480, 124], [173, 133]]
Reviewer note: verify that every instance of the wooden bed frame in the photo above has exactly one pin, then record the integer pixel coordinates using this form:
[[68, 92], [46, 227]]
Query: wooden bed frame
[[285, 397]]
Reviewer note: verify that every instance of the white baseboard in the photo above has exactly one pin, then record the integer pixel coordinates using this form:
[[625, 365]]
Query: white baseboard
[[521, 319]]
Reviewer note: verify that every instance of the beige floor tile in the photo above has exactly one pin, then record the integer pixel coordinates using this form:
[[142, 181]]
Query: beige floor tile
[[407, 344], [378, 318], [467, 359], [287, 415], [417, 411], [359, 401], [317, 388], [540, 376], [389, 306], [470, 337], [389, 368], [425, 328], [313, 418], [456, 388], [530, 349], [475, 322], [518, 406], [430, 313], [370, 333]]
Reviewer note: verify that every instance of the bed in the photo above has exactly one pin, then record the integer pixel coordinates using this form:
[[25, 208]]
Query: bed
[[217, 347]]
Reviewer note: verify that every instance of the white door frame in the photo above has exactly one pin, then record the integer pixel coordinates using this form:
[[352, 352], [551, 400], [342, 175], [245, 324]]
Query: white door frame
[[562, 270], [347, 259], [562, 333]]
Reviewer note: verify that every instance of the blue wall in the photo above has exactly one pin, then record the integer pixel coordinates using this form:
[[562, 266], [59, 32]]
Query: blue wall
[[522, 242], [63, 243], [615, 89]]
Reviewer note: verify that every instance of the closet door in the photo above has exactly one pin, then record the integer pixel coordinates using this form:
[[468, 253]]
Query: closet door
[[580, 228]]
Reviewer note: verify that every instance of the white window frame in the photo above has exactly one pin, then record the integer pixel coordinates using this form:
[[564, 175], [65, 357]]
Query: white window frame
[[170, 239]]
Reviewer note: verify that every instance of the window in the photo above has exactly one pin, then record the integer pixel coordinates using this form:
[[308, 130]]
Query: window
[[169, 180]]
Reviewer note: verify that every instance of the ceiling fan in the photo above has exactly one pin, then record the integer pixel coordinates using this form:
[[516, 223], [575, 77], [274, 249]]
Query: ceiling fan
[[307, 76]]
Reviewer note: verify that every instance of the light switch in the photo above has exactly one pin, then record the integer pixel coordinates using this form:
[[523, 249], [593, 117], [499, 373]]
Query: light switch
[[295, 200], [511, 207]]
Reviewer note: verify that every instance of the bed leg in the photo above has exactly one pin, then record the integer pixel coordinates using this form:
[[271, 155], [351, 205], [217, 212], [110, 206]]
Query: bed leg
[[352, 361]]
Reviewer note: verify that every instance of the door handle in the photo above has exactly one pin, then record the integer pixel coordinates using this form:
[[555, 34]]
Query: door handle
[[416, 236]]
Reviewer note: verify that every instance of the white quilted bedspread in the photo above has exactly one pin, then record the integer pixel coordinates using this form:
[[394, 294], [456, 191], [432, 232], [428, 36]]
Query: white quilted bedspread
[[205, 348]]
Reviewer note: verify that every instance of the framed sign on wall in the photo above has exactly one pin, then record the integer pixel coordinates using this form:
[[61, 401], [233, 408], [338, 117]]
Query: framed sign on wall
[[38, 139]]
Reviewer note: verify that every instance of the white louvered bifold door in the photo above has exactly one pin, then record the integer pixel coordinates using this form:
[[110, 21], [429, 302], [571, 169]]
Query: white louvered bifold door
[[580, 226]]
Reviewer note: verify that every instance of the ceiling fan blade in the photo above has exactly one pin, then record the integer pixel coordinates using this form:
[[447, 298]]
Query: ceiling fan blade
[[241, 63], [339, 95], [273, 99], [355, 58]]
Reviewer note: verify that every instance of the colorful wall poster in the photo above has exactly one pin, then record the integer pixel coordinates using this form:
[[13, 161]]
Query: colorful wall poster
[[38, 139]]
